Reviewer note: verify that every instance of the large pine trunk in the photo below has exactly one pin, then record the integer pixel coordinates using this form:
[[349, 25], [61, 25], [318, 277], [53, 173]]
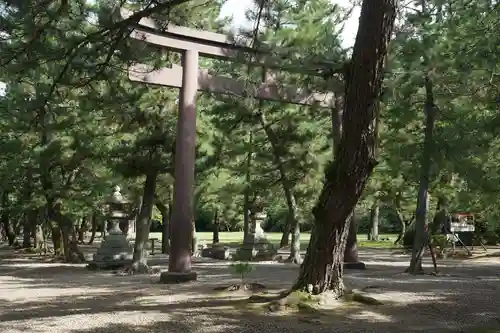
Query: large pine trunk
[[139, 260], [346, 177], [165, 226]]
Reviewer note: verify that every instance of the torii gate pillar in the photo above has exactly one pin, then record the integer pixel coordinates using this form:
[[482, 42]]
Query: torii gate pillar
[[179, 264]]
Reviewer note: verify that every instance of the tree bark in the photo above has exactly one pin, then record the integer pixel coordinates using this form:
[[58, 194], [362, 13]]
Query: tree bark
[[6, 220], [346, 177], [216, 226], [420, 239], [374, 221], [26, 232], [82, 230], [27, 220], [94, 224], [139, 259], [65, 235], [295, 256], [32, 217], [165, 226], [351, 248], [285, 238], [194, 239], [287, 188], [55, 229], [246, 195], [403, 225]]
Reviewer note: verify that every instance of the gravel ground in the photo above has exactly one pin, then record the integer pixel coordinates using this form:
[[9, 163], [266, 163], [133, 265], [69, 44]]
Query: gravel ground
[[39, 297]]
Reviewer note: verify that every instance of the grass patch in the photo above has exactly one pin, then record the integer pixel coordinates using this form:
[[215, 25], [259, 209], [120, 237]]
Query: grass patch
[[234, 239]]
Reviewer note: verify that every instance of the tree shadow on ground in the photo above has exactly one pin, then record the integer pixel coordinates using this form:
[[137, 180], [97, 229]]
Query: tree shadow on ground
[[460, 298], [226, 315]]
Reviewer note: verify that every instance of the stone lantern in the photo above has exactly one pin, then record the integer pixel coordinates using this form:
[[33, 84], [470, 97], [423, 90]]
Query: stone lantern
[[256, 246], [115, 250]]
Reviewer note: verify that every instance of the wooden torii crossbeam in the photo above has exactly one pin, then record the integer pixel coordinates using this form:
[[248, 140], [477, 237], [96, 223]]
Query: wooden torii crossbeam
[[189, 78]]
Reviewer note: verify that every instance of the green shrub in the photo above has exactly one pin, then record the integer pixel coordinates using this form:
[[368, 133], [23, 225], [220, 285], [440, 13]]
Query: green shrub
[[242, 269], [490, 237], [409, 236], [439, 240]]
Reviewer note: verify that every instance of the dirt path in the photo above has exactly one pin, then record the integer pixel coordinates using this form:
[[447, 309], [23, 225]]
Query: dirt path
[[38, 297]]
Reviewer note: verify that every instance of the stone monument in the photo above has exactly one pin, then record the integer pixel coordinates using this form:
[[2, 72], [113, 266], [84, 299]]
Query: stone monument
[[216, 251], [115, 250], [256, 246]]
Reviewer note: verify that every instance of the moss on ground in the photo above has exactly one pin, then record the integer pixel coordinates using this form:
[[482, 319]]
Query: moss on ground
[[485, 330]]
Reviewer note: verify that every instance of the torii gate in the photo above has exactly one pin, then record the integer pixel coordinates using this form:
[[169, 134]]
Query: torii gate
[[190, 78]]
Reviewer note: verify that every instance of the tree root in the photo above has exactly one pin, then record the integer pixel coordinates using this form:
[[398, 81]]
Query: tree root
[[294, 260], [287, 300], [242, 286], [307, 302], [360, 298], [137, 268]]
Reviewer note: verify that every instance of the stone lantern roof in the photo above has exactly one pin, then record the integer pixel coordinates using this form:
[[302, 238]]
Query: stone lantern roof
[[117, 197]]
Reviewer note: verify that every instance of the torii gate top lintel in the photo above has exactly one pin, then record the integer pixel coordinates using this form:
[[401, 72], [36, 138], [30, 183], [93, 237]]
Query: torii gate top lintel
[[200, 35], [216, 45]]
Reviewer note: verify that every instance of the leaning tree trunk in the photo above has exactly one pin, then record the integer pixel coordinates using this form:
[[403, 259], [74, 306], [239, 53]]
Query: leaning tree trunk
[[287, 188], [403, 225], [285, 238], [346, 177], [351, 248], [139, 259], [420, 238]]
